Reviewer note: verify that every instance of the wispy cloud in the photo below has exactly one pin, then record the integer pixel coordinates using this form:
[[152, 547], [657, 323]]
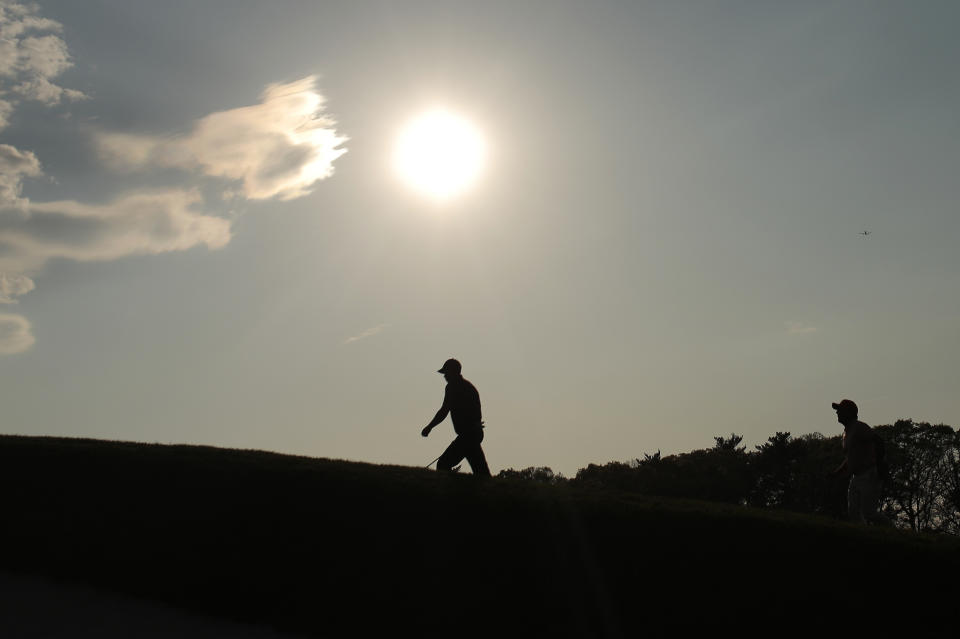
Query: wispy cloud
[[370, 332], [278, 148], [13, 285], [799, 328], [138, 224], [15, 165], [16, 334], [31, 57]]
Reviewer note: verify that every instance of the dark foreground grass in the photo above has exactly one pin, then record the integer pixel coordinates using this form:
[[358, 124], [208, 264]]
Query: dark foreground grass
[[331, 548]]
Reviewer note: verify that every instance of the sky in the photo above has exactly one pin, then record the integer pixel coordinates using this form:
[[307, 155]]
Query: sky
[[204, 237]]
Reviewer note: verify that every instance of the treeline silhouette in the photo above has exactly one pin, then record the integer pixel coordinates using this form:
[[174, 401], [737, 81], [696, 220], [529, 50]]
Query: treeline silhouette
[[791, 473]]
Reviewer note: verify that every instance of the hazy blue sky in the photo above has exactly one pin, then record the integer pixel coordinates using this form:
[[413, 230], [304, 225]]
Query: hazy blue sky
[[663, 245]]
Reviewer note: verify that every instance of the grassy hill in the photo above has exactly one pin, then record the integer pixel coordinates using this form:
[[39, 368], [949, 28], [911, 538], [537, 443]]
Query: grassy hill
[[329, 547]]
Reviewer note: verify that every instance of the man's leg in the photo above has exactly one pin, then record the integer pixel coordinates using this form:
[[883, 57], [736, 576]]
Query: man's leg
[[475, 456], [854, 501], [452, 455], [870, 496]]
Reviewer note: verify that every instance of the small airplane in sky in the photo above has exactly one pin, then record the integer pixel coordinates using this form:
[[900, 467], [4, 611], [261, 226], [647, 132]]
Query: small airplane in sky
[[864, 233]]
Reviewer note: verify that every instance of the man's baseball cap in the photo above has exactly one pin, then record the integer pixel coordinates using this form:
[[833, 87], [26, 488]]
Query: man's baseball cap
[[450, 366], [845, 404]]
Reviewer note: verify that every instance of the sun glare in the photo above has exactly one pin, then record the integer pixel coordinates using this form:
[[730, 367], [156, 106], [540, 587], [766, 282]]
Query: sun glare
[[439, 154]]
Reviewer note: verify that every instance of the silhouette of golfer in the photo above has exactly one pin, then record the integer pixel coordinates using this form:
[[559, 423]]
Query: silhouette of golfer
[[863, 492], [462, 401]]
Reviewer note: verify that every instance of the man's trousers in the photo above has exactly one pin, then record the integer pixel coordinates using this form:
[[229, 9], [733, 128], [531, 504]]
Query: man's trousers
[[465, 445]]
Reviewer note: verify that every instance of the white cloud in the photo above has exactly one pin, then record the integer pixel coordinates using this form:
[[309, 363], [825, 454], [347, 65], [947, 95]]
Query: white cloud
[[138, 224], [13, 285], [42, 90], [6, 108], [31, 56], [44, 56], [799, 328], [16, 334], [279, 148], [16, 18], [370, 332], [14, 166]]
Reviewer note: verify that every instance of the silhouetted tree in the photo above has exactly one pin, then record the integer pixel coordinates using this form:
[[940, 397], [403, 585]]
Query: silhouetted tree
[[542, 474], [791, 472], [794, 473], [651, 459], [952, 487], [921, 459], [617, 475], [728, 443], [775, 466], [816, 491], [719, 474]]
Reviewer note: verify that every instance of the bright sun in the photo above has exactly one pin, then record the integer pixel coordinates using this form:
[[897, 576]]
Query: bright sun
[[439, 154]]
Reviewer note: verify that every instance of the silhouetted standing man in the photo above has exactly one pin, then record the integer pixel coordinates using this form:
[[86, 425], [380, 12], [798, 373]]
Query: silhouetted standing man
[[462, 401], [863, 492]]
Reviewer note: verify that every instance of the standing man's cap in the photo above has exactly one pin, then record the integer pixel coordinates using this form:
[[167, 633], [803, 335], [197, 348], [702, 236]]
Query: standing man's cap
[[845, 404], [450, 366]]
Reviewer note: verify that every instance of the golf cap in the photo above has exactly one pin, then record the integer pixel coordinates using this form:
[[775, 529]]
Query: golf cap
[[845, 404], [450, 366]]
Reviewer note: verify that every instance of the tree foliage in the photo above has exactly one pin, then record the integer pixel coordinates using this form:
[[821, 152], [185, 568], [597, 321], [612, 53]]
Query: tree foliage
[[542, 474], [717, 474], [922, 492], [793, 473]]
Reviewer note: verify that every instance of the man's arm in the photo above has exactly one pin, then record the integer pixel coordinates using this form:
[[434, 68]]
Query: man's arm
[[841, 469], [439, 417]]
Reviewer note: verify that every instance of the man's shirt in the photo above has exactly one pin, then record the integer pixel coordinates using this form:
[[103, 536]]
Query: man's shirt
[[859, 448], [463, 401]]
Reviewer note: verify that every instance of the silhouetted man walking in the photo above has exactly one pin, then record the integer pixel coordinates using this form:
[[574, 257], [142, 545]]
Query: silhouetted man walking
[[462, 401], [863, 492]]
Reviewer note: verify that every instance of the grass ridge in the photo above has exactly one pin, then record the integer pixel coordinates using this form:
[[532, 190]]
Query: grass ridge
[[325, 546]]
